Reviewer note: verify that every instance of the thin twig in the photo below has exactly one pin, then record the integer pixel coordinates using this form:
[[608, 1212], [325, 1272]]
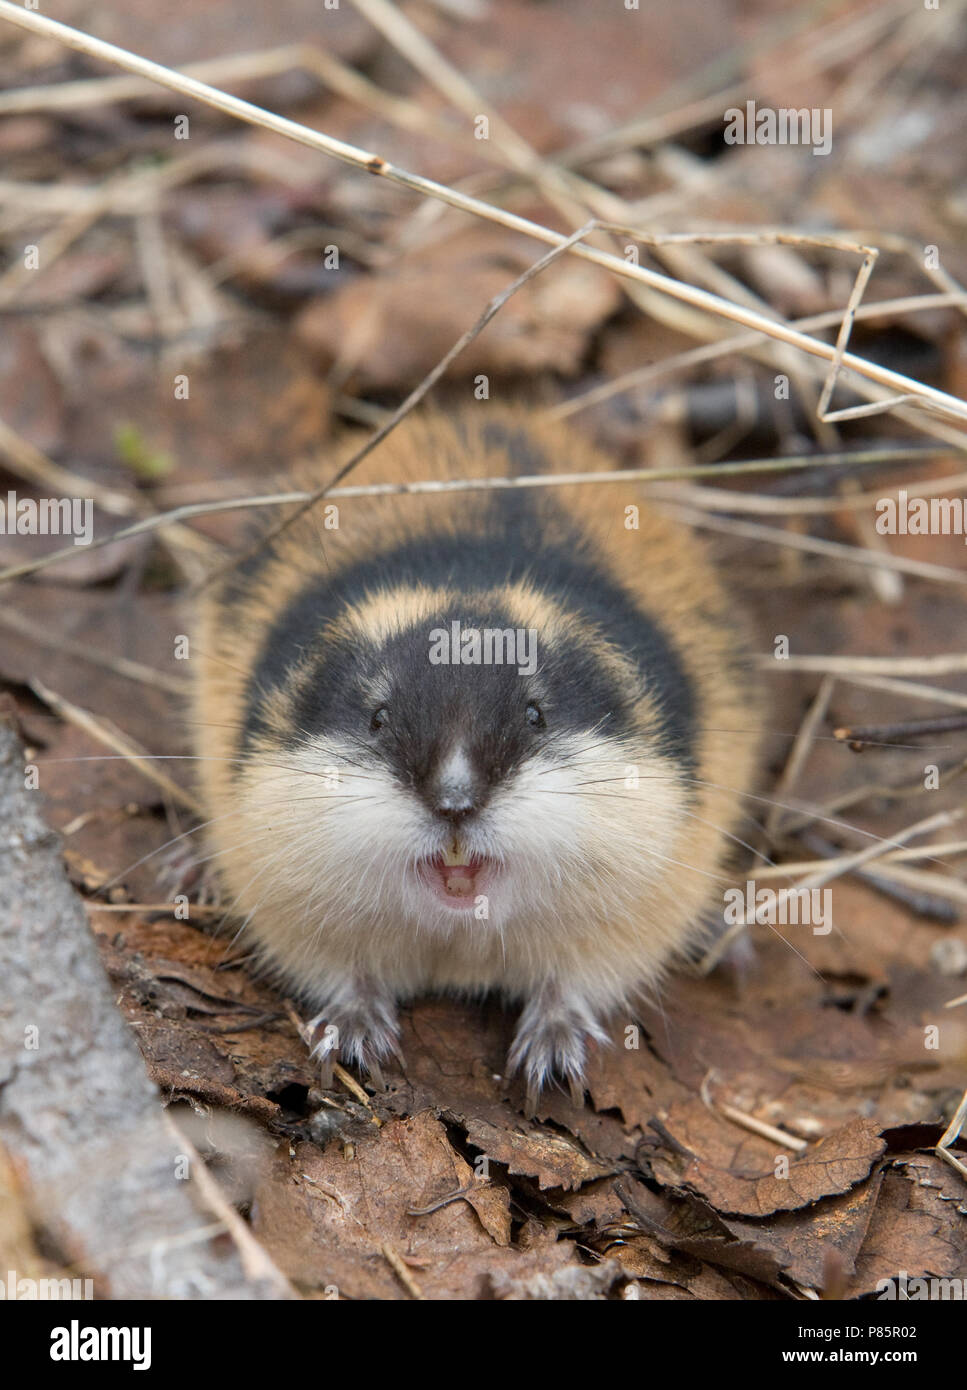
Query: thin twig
[[910, 690], [947, 665], [117, 665], [432, 486], [828, 872], [112, 738], [196, 911], [402, 1273], [742, 342], [942, 849], [749, 1122], [772, 535], [801, 748], [951, 1135], [27, 460], [859, 736], [716, 499]]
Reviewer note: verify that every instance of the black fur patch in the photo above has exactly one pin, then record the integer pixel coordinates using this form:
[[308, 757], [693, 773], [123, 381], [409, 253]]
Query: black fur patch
[[521, 449], [488, 703]]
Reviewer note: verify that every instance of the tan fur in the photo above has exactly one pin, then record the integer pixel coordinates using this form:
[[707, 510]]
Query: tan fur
[[615, 941]]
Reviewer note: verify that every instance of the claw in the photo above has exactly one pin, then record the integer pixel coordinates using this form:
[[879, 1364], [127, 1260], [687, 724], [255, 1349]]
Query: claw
[[576, 1087], [324, 1054], [361, 1041], [553, 1038]]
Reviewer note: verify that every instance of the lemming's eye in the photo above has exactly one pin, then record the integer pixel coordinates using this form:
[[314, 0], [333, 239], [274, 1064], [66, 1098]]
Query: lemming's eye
[[380, 718], [535, 716]]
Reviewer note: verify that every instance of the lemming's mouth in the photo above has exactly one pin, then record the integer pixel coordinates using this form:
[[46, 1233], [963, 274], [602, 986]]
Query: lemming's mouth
[[456, 878]]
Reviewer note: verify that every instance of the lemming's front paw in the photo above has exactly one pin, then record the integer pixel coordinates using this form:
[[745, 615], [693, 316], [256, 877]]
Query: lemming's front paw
[[362, 1035], [552, 1041]]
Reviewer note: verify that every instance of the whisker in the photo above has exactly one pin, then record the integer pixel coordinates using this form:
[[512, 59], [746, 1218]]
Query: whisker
[[840, 824], [256, 759], [228, 815], [826, 820]]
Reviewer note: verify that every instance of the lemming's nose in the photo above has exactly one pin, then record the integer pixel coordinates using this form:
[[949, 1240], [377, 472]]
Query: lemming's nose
[[456, 791], [455, 807]]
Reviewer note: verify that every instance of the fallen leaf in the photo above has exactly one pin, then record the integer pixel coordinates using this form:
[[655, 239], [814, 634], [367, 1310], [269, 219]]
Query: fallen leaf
[[550, 1158], [330, 1218], [835, 1164]]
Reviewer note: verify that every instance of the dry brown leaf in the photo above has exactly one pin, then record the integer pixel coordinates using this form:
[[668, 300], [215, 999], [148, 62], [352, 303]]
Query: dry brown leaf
[[328, 1217], [550, 1158], [390, 328], [835, 1164], [916, 1229]]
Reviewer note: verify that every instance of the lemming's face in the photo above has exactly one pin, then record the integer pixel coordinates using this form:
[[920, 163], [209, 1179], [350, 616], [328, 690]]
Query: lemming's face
[[467, 772]]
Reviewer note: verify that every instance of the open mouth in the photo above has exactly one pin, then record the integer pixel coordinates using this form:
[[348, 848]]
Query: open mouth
[[457, 878]]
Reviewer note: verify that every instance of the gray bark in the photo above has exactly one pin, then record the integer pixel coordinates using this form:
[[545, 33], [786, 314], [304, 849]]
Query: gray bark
[[83, 1126]]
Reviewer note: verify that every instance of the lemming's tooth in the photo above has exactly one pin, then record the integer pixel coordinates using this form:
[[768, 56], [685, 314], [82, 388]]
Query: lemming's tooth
[[452, 855]]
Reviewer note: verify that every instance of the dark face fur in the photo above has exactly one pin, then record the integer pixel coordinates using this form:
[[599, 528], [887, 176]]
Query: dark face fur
[[417, 714]]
